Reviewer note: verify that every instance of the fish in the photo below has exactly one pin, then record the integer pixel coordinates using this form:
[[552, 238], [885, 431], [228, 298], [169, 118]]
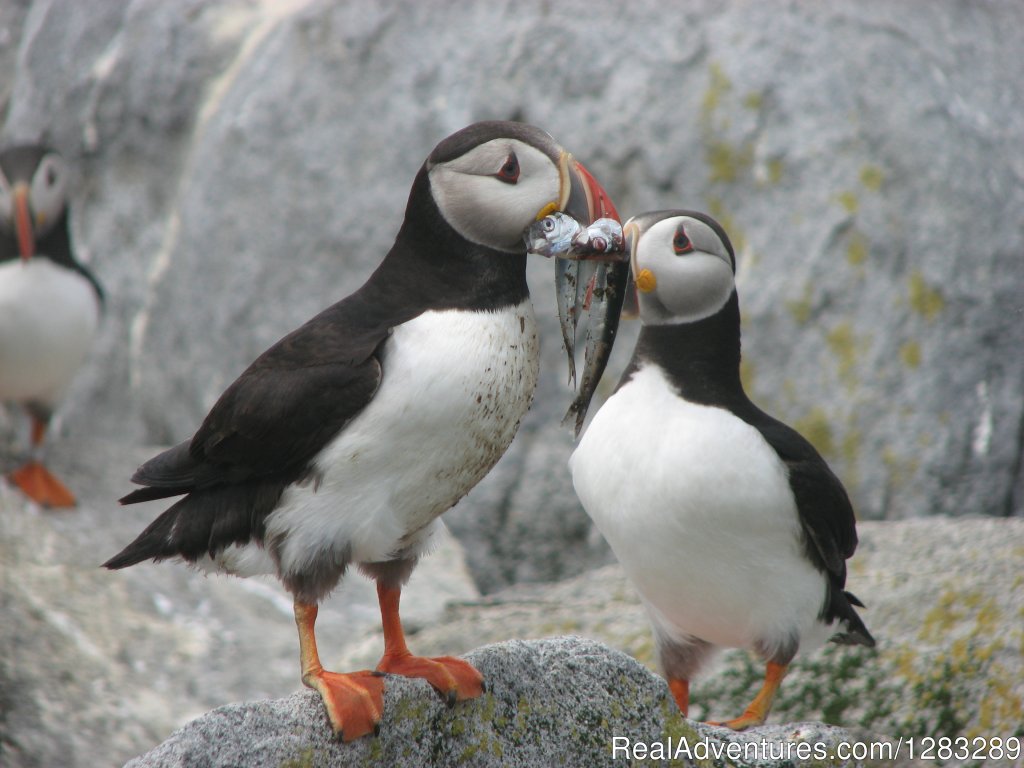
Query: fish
[[559, 234], [591, 273], [565, 297], [608, 294], [552, 235]]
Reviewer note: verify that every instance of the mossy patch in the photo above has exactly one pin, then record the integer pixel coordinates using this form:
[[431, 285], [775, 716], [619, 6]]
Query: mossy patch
[[856, 249], [800, 309], [844, 344], [910, 354], [816, 428], [871, 176], [924, 300], [848, 200]]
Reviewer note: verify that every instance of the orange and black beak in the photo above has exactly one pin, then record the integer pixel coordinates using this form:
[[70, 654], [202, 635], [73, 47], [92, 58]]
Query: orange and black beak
[[23, 222], [583, 197]]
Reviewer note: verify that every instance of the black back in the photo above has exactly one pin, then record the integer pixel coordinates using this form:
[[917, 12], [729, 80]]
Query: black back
[[265, 430]]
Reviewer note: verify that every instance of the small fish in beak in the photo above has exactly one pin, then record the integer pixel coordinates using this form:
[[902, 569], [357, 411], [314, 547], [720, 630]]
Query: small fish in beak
[[591, 274]]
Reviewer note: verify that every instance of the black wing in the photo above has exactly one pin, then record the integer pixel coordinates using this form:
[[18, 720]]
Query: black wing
[[260, 436], [826, 514], [827, 519]]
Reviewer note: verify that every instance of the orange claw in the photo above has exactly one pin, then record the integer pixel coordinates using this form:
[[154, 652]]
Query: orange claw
[[354, 701], [759, 708], [36, 482], [457, 680]]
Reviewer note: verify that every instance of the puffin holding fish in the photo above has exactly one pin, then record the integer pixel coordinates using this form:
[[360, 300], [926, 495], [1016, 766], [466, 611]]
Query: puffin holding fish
[[345, 441], [731, 526], [50, 303]]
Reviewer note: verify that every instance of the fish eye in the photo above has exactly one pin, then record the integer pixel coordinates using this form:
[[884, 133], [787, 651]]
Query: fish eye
[[548, 224], [681, 241]]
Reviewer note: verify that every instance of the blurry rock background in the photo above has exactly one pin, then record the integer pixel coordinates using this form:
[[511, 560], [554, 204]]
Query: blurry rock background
[[241, 165]]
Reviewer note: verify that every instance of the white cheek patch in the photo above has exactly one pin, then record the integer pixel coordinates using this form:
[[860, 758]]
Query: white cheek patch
[[486, 210], [694, 286]]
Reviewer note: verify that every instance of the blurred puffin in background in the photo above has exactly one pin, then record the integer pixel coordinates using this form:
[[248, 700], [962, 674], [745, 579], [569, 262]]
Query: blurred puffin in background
[[49, 303]]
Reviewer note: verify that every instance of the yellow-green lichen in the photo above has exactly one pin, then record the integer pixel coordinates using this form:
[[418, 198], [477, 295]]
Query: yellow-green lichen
[[726, 162], [925, 300], [304, 760], [747, 371], [857, 249], [871, 176], [816, 428], [843, 343], [775, 167], [800, 309], [719, 85], [849, 201], [754, 100], [717, 209], [910, 354]]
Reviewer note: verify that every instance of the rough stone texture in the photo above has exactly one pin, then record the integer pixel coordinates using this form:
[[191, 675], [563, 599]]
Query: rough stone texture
[[96, 667], [551, 703], [243, 164], [945, 601]]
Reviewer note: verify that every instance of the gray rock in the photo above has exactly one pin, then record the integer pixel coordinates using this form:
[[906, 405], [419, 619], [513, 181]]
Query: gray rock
[[96, 666], [944, 602], [244, 165], [557, 702]]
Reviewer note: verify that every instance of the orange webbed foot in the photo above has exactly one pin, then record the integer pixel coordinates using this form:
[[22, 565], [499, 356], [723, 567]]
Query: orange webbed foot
[[354, 701], [455, 679], [40, 485]]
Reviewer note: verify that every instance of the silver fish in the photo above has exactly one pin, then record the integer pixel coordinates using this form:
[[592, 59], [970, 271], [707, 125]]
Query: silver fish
[[558, 234], [565, 296], [602, 238], [607, 295], [552, 235]]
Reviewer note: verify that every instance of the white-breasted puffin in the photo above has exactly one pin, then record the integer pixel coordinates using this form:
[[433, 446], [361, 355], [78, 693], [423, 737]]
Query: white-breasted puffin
[[731, 526], [50, 304], [345, 441]]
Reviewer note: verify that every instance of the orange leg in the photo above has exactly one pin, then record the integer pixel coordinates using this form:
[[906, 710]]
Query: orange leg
[[756, 713], [36, 481], [681, 692], [456, 679], [354, 701]]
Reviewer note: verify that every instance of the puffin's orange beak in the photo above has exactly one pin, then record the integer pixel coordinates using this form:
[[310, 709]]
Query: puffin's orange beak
[[23, 222]]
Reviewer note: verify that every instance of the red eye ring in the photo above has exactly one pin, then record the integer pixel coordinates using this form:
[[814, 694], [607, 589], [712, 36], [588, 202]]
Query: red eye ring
[[681, 242], [509, 172]]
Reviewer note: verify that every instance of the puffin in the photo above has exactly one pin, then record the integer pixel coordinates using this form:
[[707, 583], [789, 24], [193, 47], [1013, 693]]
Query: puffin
[[344, 442], [730, 525], [50, 303]]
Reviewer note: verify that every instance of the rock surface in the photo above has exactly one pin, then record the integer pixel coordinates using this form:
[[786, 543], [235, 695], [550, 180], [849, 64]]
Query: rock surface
[[96, 667], [945, 602], [551, 703], [241, 165], [244, 164]]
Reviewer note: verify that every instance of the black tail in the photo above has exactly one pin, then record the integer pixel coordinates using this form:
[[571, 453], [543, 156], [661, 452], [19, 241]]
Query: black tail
[[840, 606], [204, 522]]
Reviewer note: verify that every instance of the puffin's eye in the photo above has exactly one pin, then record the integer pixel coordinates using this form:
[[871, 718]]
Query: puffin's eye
[[681, 242], [509, 172]]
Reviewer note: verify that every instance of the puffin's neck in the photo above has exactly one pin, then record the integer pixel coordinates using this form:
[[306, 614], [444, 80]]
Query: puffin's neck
[[431, 264], [55, 246], [702, 359]]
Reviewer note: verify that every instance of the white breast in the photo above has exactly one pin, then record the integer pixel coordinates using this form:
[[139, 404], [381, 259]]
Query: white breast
[[454, 388], [48, 318], [697, 508]]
